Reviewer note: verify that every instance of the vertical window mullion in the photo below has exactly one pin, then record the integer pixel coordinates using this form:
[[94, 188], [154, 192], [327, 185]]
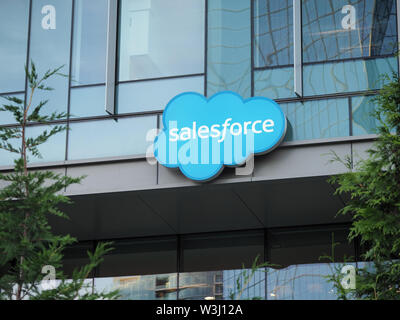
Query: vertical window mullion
[[69, 78], [298, 50], [398, 31], [112, 21], [27, 51]]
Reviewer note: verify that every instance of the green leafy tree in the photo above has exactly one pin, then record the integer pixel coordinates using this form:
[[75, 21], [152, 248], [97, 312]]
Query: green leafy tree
[[27, 243], [373, 185]]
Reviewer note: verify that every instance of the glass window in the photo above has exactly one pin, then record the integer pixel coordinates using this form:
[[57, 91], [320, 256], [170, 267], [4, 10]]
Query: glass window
[[346, 76], [154, 95], [302, 282], [287, 247], [140, 256], [222, 251], [87, 101], [161, 38], [273, 33], [7, 158], [53, 149], [276, 83], [90, 42], [7, 117], [50, 49], [14, 17], [343, 29], [363, 120], [76, 256], [298, 254], [229, 47], [317, 119], [254, 288], [148, 287], [273, 46], [200, 285], [110, 138]]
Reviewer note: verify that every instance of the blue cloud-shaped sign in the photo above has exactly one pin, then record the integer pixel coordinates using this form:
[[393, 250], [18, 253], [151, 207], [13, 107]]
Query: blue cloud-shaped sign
[[201, 136]]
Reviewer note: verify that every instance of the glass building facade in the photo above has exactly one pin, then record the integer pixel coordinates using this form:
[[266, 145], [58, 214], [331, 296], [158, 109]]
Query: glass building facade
[[166, 47], [209, 266], [242, 45]]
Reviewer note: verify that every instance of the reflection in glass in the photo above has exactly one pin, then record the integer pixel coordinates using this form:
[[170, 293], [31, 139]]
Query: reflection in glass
[[87, 101], [50, 48], [363, 120], [317, 119], [149, 287], [89, 43], [274, 83], [301, 282], [134, 267], [13, 49], [295, 282], [273, 38], [229, 47], [201, 285], [154, 95], [348, 29], [346, 76], [209, 285], [298, 253], [307, 245], [254, 288], [161, 38], [53, 149], [110, 138]]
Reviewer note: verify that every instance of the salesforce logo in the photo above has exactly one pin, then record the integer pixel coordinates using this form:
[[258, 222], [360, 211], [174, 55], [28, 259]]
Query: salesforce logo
[[200, 136]]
